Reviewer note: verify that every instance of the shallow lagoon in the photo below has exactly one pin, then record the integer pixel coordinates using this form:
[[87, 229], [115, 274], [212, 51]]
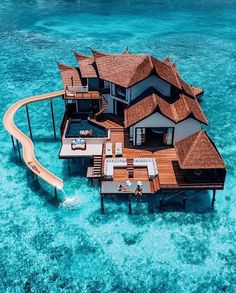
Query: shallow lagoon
[[46, 246]]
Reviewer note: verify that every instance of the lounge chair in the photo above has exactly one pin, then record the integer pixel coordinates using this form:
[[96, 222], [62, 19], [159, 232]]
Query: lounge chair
[[118, 150], [108, 149]]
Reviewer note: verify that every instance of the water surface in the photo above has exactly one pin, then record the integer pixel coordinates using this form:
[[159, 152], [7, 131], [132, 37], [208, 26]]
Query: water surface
[[48, 246]]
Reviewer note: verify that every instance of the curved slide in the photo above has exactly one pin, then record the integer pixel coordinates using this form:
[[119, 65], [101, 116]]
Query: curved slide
[[27, 144]]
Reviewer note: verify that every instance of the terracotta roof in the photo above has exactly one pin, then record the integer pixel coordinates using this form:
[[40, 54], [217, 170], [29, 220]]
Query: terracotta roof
[[69, 75], [197, 91], [127, 69], [123, 69], [86, 64], [176, 111], [166, 72], [167, 60], [127, 51], [197, 151]]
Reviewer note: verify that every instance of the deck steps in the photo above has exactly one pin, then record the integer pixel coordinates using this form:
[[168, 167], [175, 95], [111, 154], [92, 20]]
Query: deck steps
[[156, 184], [130, 168], [97, 166], [103, 107]]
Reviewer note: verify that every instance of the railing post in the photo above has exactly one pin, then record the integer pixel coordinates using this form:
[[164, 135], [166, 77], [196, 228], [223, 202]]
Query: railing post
[[28, 118], [53, 121]]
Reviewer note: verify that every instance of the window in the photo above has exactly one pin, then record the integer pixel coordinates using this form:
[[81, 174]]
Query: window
[[154, 136], [118, 91], [93, 83]]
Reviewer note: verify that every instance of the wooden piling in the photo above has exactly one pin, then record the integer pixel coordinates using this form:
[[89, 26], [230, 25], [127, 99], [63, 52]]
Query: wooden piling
[[53, 120], [213, 199], [13, 143], [18, 148], [68, 165], [28, 118], [102, 203], [130, 204], [184, 202], [55, 192]]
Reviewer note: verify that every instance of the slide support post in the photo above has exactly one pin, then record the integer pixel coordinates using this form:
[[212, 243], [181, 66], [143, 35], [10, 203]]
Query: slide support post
[[53, 120], [28, 118]]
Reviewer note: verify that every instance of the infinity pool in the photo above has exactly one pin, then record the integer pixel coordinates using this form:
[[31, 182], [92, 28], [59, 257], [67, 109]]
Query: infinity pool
[[77, 126]]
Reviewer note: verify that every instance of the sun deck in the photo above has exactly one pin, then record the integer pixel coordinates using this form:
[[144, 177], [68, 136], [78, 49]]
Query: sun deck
[[170, 176]]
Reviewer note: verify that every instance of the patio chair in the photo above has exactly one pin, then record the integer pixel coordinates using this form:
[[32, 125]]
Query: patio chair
[[118, 150], [109, 149]]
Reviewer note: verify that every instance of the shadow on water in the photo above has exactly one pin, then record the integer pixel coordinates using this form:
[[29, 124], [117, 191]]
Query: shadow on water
[[33, 183], [46, 139], [196, 203]]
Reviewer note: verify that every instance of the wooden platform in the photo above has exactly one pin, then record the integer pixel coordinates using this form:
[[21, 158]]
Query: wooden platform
[[170, 175]]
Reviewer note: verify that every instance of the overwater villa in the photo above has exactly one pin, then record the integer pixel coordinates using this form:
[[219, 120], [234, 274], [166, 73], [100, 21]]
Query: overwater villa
[[139, 126]]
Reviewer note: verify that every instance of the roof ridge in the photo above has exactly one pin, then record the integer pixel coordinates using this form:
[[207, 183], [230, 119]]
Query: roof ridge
[[174, 69], [80, 56], [193, 144], [140, 64], [98, 54]]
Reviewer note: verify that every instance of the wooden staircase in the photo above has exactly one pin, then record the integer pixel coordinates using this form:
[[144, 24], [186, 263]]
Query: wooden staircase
[[130, 168], [156, 184], [97, 166], [103, 107]]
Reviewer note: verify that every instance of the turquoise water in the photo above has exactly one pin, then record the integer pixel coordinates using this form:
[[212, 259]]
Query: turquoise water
[[47, 245]]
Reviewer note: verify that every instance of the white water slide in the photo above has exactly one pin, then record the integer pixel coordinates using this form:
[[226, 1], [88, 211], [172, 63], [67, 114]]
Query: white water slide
[[27, 144]]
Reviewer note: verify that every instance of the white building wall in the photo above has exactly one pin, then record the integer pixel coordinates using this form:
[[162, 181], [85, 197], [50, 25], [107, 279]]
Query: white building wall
[[181, 129], [152, 81], [186, 128]]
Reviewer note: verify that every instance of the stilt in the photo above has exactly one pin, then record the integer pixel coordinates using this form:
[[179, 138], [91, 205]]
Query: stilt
[[18, 148], [213, 199], [102, 203], [55, 192], [184, 202], [160, 201], [13, 143], [53, 121], [28, 118], [130, 204]]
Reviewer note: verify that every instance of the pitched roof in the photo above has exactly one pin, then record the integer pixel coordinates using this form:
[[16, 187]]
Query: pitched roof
[[152, 101], [123, 69], [86, 64], [197, 151], [70, 75], [197, 91], [127, 69]]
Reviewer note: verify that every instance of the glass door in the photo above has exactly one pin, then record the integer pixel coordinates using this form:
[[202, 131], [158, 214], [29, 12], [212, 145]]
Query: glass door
[[140, 136]]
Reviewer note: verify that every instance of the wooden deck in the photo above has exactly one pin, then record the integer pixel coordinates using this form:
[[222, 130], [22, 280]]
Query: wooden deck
[[170, 175]]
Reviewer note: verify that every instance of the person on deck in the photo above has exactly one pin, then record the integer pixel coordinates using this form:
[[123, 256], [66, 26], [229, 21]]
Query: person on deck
[[121, 188], [139, 191]]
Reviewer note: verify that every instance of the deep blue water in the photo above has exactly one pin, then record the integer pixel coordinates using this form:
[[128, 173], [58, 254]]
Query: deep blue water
[[46, 246]]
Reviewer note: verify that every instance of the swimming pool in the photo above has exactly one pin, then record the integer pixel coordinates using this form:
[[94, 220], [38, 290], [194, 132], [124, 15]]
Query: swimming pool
[[76, 125]]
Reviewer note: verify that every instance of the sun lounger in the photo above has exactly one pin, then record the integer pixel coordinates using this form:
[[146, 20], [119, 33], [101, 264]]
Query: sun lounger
[[118, 151], [108, 149]]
